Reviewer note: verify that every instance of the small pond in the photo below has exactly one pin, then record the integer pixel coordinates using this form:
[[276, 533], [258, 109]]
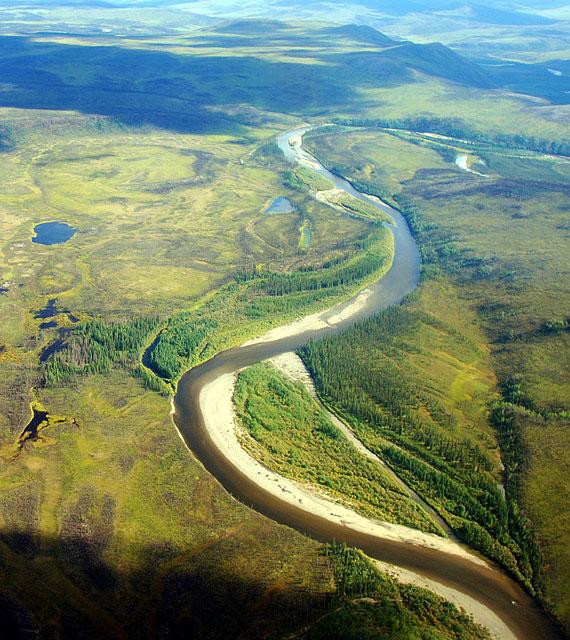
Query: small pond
[[31, 430], [280, 205], [53, 233], [52, 348], [49, 311]]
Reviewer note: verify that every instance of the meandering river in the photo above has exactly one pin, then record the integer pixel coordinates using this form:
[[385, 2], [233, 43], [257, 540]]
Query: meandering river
[[485, 583]]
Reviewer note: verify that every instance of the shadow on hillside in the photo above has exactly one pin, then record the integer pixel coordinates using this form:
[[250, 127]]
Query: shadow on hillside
[[62, 588], [184, 93], [188, 91]]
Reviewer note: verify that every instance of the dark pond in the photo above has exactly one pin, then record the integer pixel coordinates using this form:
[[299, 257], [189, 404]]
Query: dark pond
[[54, 347], [49, 311], [53, 233], [31, 430], [48, 325], [280, 205]]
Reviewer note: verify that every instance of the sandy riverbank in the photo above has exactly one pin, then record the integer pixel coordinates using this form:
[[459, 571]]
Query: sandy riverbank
[[481, 614], [219, 416], [306, 159], [217, 408], [317, 321]]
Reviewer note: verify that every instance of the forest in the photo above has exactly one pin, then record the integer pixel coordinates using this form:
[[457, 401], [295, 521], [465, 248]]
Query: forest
[[363, 375], [96, 347], [457, 128], [368, 603]]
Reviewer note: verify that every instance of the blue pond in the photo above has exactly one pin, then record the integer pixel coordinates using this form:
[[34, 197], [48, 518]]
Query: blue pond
[[53, 233], [280, 205]]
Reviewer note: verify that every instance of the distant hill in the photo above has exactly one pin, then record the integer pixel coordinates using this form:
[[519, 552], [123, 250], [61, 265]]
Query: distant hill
[[391, 64], [392, 7], [394, 64], [251, 27], [534, 4], [550, 81], [361, 33], [98, 4], [401, 7], [492, 15], [479, 10], [438, 60]]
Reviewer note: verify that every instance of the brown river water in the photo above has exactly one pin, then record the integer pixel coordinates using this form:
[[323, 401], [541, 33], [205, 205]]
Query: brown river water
[[489, 585]]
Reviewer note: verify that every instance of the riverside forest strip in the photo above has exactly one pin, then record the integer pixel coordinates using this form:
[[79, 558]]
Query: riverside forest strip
[[365, 379], [514, 287], [207, 426], [285, 429], [255, 302]]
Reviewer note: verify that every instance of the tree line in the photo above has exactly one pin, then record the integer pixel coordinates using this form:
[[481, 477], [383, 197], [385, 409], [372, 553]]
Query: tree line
[[358, 373], [98, 346], [457, 128], [368, 599], [347, 272]]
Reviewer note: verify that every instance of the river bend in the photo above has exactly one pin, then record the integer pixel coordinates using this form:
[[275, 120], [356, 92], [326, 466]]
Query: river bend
[[485, 583]]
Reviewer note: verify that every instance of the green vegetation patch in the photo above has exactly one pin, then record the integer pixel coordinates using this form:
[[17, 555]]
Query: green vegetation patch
[[376, 606], [260, 301], [96, 347], [304, 179], [239, 311], [374, 161], [287, 431], [305, 235]]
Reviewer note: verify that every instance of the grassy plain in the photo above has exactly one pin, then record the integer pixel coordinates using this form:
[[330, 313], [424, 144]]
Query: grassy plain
[[129, 536], [138, 202]]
